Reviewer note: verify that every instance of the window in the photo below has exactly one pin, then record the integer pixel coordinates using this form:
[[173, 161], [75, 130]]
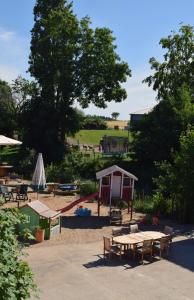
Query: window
[[28, 218], [127, 181], [106, 180]]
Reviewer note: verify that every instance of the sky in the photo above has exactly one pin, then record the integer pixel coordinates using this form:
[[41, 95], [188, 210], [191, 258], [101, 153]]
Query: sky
[[137, 25]]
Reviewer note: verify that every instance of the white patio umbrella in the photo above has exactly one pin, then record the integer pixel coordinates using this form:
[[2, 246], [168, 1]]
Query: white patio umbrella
[[39, 179], [5, 141]]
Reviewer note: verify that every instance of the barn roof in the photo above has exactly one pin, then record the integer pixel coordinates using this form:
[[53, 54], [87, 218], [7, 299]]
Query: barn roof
[[112, 169], [42, 209], [142, 111]]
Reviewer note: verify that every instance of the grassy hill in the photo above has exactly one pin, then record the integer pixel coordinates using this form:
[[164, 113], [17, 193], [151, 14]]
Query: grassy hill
[[93, 136]]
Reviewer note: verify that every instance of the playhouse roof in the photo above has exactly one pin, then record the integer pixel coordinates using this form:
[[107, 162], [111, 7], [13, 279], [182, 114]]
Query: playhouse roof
[[112, 169], [42, 209]]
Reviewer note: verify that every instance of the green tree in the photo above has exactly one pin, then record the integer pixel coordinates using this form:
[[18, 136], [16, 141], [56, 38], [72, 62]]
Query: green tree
[[94, 122], [115, 115], [178, 65], [157, 135], [8, 112], [176, 180], [70, 62], [16, 278]]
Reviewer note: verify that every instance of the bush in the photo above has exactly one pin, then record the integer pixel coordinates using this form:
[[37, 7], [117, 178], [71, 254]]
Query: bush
[[94, 122], [144, 206], [161, 205], [88, 188]]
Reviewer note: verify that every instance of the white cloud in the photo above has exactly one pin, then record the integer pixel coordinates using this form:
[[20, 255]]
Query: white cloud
[[6, 36], [14, 50]]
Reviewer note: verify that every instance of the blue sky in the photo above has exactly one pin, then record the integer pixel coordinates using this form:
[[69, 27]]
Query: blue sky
[[137, 25]]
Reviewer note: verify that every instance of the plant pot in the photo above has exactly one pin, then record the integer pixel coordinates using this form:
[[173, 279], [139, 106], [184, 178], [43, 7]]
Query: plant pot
[[39, 235]]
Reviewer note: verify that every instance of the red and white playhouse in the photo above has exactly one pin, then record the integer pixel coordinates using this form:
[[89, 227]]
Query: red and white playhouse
[[115, 184]]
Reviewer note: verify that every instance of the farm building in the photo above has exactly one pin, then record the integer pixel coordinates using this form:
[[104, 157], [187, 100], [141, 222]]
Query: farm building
[[115, 184], [138, 115], [114, 144], [42, 216]]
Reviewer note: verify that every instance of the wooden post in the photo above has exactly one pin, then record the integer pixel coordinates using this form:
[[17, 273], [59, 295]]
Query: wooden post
[[110, 193], [100, 188], [98, 207], [132, 194], [49, 228], [122, 180]]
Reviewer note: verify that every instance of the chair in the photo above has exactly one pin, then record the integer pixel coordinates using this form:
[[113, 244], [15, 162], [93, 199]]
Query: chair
[[22, 194], [163, 246], [7, 195], [116, 216], [134, 228], [111, 249], [116, 231], [147, 248], [168, 231]]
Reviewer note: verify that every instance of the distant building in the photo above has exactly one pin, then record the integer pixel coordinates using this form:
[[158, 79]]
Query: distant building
[[138, 115], [114, 144]]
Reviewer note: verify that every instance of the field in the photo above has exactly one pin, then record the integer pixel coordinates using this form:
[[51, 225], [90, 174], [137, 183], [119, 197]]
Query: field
[[120, 123], [93, 137]]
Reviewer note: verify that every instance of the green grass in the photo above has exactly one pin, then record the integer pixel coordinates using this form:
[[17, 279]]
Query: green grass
[[93, 137]]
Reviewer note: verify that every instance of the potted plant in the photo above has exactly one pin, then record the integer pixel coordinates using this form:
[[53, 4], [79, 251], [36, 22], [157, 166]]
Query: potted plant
[[39, 234]]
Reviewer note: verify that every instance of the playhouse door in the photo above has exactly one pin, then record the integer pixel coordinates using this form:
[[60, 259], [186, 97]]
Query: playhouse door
[[116, 186]]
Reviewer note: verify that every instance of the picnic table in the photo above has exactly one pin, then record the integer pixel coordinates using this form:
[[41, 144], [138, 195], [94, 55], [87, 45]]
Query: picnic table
[[131, 240]]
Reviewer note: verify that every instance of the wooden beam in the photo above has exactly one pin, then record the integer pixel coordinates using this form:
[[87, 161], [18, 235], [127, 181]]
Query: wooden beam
[[100, 187], [122, 180], [110, 202]]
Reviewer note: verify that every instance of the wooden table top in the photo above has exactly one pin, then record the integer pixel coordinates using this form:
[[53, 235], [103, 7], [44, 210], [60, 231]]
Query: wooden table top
[[139, 237]]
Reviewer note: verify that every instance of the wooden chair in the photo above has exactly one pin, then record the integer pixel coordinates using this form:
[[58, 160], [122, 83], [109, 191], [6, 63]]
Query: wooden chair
[[147, 248], [163, 246], [7, 195], [111, 249], [22, 194], [134, 228], [169, 231], [116, 231], [116, 216]]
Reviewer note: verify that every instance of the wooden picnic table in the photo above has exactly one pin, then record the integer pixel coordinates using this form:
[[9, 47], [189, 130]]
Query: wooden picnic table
[[131, 240]]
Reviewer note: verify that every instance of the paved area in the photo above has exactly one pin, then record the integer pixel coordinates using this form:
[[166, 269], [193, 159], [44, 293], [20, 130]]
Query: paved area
[[77, 270]]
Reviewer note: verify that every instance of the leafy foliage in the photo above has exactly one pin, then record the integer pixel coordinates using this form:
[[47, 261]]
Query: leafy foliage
[[94, 122], [178, 65], [157, 135], [8, 110], [176, 179], [70, 62], [115, 115], [16, 278]]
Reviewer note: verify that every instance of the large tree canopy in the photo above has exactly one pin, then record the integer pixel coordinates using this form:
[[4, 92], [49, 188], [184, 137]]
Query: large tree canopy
[[157, 135], [7, 110], [71, 63], [178, 65]]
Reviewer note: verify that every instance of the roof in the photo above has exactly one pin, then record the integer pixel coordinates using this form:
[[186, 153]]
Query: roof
[[142, 111], [112, 169], [5, 141], [42, 209]]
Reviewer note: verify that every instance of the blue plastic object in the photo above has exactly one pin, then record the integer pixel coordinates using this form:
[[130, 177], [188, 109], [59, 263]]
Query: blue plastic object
[[83, 212], [67, 187]]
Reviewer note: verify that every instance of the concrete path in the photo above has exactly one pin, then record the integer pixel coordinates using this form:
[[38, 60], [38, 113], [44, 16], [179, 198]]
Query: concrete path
[[78, 272]]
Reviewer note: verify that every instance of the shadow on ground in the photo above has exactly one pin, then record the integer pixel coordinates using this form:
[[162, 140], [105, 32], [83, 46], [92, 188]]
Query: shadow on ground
[[92, 222]]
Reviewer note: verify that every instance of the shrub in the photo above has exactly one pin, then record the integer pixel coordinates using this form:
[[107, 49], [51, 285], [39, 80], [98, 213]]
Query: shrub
[[144, 206], [161, 205], [88, 188]]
